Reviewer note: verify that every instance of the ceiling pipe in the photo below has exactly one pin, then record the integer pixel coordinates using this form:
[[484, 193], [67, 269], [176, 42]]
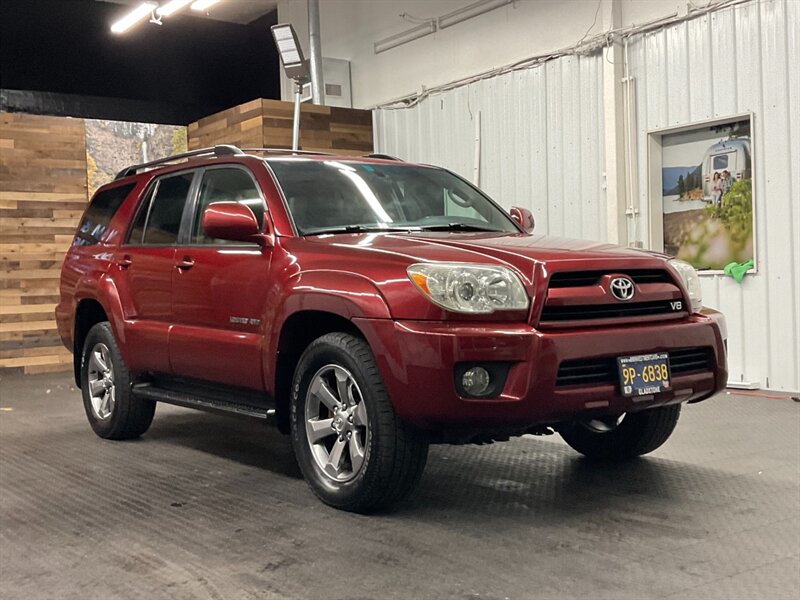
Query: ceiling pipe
[[315, 51]]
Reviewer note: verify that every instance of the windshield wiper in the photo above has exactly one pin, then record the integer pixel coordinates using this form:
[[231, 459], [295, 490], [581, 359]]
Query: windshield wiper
[[355, 229], [457, 227]]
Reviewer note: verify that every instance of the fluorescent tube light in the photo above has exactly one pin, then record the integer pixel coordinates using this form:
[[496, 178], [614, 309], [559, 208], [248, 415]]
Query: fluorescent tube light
[[203, 4], [172, 7], [472, 10], [404, 37], [139, 13]]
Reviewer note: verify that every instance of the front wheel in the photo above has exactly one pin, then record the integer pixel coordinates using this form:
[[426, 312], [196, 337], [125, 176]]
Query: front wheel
[[353, 450], [622, 438]]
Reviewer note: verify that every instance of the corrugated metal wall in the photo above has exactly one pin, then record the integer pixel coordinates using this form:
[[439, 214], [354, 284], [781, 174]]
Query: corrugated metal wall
[[738, 60], [543, 148], [541, 141]]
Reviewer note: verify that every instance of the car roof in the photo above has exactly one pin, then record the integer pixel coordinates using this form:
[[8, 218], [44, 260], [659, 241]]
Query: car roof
[[203, 156]]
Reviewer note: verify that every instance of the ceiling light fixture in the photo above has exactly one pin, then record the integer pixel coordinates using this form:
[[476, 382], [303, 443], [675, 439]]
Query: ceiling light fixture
[[472, 10], [144, 10], [172, 7], [406, 36], [203, 4]]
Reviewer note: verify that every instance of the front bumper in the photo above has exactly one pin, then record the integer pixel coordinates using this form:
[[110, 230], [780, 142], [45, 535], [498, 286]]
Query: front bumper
[[417, 360]]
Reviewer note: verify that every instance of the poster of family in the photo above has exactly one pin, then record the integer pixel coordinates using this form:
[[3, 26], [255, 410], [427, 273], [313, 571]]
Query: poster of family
[[707, 190]]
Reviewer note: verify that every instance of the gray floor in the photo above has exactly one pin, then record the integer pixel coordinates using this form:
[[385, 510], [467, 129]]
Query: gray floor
[[212, 507]]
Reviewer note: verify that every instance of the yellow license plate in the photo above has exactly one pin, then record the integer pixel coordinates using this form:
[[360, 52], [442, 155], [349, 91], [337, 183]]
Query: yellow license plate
[[644, 374]]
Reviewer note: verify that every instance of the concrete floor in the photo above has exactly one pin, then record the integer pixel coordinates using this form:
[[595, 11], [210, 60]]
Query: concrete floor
[[207, 506]]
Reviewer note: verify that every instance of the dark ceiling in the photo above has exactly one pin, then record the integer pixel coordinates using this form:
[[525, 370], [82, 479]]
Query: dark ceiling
[[59, 57]]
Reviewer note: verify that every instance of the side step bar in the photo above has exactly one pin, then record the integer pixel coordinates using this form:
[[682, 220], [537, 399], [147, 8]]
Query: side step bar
[[150, 391]]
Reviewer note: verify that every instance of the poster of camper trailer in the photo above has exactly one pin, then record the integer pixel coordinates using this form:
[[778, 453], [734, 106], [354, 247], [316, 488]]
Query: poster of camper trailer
[[707, 189]]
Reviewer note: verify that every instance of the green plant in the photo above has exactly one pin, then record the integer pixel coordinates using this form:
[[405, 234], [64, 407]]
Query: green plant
[[735, 211]]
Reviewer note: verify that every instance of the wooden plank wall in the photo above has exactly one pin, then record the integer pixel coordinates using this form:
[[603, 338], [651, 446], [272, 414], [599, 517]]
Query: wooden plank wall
[[265, 123], [42, 196]]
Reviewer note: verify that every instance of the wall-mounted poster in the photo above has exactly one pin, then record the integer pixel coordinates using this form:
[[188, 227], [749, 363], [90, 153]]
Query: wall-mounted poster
[[113, 145], [707, 190]]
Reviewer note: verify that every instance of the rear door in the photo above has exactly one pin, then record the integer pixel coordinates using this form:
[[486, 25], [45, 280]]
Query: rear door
[[220, 289], [146, 263]]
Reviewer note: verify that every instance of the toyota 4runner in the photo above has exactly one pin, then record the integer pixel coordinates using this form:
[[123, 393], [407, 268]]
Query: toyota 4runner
[[370, 307]]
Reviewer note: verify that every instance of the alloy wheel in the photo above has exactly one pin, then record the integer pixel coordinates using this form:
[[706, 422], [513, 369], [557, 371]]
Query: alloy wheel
[[101, 382], [337, 427]]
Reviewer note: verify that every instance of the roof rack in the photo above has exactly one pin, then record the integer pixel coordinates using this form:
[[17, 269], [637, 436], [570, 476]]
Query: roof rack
[[383, 156], [221, 150], [286, 151]]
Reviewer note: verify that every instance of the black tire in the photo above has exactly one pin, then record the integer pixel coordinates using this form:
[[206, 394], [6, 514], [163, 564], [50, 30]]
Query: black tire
[[394, 454], [637, 434], [129, 417]]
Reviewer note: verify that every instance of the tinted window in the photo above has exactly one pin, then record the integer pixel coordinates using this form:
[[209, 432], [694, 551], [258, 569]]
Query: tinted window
[[160, 216], [335, 195], [102, 208], [721, 161], [226, 185], [137, 231]]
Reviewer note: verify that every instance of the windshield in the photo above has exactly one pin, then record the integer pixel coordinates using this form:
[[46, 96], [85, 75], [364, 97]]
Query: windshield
[[332, 196]]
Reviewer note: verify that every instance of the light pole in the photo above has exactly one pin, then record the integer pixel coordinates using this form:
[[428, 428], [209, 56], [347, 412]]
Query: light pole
[[295, 67]]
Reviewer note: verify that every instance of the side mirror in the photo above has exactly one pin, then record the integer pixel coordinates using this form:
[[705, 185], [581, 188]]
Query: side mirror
[[523, 218], [232, 221]]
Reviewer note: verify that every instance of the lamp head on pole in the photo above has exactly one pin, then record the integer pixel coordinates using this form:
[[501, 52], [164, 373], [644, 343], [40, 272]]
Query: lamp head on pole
[[291, 53]]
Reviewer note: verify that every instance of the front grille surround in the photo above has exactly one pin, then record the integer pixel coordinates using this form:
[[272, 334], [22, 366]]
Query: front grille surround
[[580, 298]]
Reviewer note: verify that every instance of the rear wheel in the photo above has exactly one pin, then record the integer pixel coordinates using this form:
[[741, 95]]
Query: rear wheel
[[620, 438], [353, 450], [112, 409]]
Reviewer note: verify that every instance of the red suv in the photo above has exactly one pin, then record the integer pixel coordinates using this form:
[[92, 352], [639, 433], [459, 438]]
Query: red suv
[[370, 307]]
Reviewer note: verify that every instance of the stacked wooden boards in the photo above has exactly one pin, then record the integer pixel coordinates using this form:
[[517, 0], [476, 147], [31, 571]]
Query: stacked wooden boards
[[268, 124], [42, 196], [43, 171]]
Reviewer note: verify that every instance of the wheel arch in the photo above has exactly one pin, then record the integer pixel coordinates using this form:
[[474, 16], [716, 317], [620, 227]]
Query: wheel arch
[[298, 331], [88, 313], [95, 302]]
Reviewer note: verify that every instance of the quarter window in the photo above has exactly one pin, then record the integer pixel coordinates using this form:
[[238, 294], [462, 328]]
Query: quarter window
[[102, 208], [226, 185]]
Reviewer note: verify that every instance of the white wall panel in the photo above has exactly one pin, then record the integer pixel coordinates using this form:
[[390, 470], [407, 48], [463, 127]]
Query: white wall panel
[[543, 148], [541, 141], [738, 60]]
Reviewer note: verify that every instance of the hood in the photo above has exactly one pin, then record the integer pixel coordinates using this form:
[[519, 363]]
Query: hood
[[341, 263], [520, 251]]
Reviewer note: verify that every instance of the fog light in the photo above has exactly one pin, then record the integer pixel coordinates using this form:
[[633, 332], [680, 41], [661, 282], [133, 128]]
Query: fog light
[[476, 381]]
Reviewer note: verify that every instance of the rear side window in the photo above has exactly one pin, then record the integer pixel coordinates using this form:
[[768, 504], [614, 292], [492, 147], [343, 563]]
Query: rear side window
[[102, 208], [159, 219]]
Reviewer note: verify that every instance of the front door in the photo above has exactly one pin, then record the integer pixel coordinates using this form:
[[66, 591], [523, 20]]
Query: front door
[[220, 291]]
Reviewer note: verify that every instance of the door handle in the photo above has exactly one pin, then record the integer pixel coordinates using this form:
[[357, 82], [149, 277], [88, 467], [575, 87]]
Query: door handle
[[125, 261], [185, 264]]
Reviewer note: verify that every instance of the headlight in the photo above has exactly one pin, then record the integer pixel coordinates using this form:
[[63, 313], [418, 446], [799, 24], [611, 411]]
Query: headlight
[[469, 288], [692, 282]]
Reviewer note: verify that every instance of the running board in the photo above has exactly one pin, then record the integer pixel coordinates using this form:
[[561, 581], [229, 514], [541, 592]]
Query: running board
[[150, 391]]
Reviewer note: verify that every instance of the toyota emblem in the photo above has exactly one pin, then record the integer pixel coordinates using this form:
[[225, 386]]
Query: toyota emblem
[[622, 288]]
